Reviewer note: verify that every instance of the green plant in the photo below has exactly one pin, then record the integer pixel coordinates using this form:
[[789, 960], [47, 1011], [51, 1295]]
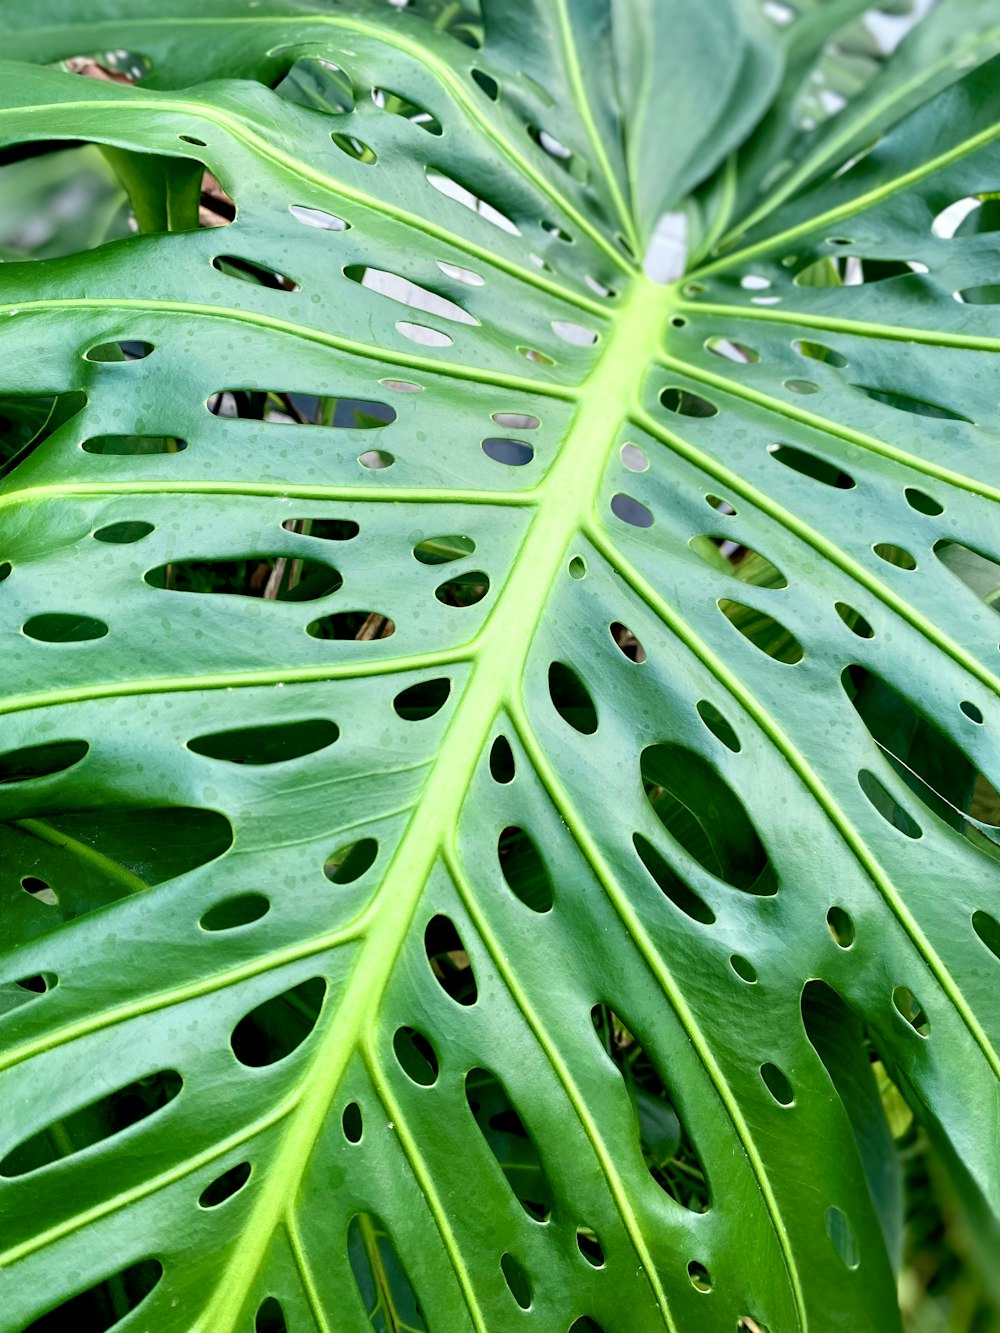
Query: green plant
[[496, 749]]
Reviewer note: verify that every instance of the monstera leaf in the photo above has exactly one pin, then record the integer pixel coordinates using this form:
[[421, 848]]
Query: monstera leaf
[[497, 748]]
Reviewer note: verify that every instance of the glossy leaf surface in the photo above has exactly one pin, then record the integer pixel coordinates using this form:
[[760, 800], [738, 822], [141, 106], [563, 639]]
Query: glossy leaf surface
[[512, 849]]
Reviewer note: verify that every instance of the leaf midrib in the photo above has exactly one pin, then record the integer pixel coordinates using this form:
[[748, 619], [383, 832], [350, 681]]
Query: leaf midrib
[[566, 497]]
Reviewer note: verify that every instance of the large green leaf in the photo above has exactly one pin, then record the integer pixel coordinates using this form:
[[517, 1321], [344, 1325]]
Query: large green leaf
[[453, 862]]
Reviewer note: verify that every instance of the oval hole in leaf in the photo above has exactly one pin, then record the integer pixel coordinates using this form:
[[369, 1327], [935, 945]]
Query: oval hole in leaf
[[270, 1317], [39, 984], [763, 631], [802, 386], [718, 725], [971, 711], [590, 1246], [701, 1278], [841, 1235], [376, 459], [119, 351], [687, 404], [406, 292], [420, 333], [746, 564], [510, 1142], [464, 590], [449, 961], [502, 761], [241, 910], [702, 813], [273, 1030], [777, 1084], [887, 805], [960, 216], [524, 870], [819, 352], [317, 217], [988, 929], [744, 969], [300, 408], [672, 886], [402, 386], [247, 270], [351, 861], [59, 627], [933, 766], [808, 465], [571, 699], [841, 927], [102, 1306], [41, 761], [364, 626], [634, 458], [577, 335], [909, 1007], [979, 573], [40, 890], [352, 1123], [416, 1056], [324, 529], [667, 1149], [854, 621], [538, 358], [987, 295], [626, 643], [380, 1276], [273, 744], [411, 111], [515, 453], [894, 555], [225, 1186], [516, 420], [123, 534], [453, 190], [922, 502], [129, 445], [275, 578], [423, 700], [915, 406], [353, 147], [441, 550], [517, 1280], [631, 511], [586, 1325], [93, 1123], [486, 81], [732, 351], [459, 274], [577, 567]]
